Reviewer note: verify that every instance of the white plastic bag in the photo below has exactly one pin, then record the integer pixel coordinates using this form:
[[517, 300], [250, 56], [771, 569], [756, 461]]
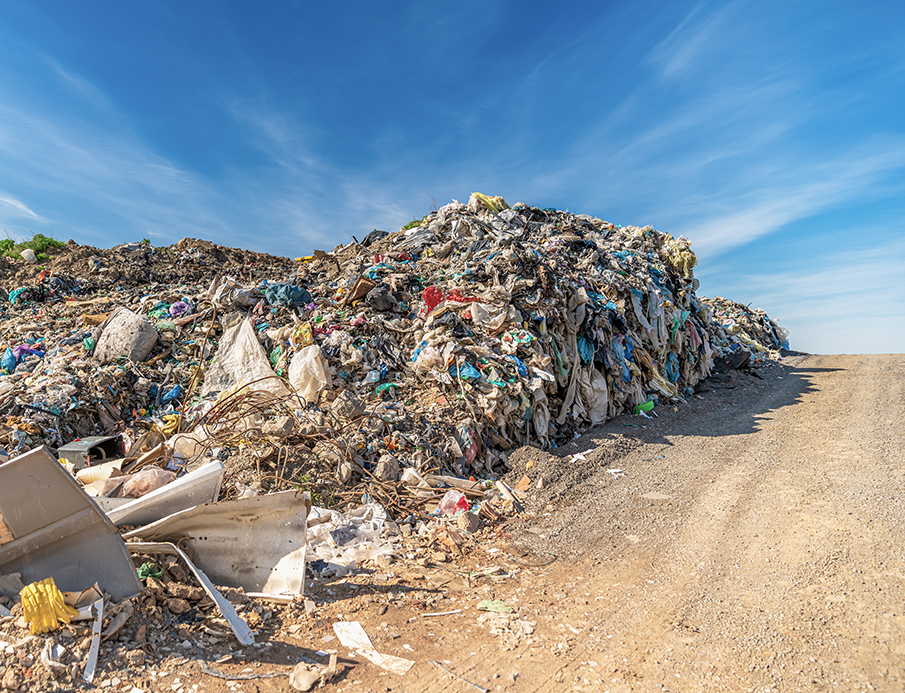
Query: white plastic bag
[[594, 394], [308, 373], [241, 359]]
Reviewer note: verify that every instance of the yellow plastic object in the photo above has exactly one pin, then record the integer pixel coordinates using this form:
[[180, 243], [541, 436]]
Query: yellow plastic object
[[681, 256], [170, 424], [44, 608], [302, 336], [494, 204]]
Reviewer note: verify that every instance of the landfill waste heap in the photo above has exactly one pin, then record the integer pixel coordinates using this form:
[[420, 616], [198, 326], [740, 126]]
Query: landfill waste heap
[[436, 349]]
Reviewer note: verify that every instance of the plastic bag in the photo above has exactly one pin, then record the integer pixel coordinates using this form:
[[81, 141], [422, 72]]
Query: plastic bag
[[147, 480], [594, 394], [308, 373], [452, 502], [489, 318], [241, 359], [349, 538]]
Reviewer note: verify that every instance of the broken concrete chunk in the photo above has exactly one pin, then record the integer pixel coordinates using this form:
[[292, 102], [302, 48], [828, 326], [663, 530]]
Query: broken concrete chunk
[[125, 334], [387, 468], [188, 592], [281, 426], [346, 406], [306, 674], [468, 521]]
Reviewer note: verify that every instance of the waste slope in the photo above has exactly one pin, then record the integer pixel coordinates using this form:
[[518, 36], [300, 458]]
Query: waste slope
[[440, 347]]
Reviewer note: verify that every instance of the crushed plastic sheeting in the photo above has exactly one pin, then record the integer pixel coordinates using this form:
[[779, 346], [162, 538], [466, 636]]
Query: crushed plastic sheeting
[[347, 539]]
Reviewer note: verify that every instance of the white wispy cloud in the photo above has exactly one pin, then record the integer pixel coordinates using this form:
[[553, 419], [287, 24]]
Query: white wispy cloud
[[851, 299], [793, 190], [19, 207], [97, 179], [689, 41], [80, 86]]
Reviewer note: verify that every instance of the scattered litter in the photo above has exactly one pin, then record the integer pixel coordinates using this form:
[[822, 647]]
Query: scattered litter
[[306, 674], [240, 628], [495, 605], [353, 636], [97, 610], [43, 606]]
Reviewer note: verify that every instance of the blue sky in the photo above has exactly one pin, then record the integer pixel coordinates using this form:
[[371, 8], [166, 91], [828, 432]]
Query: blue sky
[[771, 134]]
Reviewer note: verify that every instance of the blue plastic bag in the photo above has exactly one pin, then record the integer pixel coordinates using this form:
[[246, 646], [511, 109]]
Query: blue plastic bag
[[9, 361]]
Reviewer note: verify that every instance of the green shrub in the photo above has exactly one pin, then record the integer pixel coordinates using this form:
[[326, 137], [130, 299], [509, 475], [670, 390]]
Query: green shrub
[[39, 243]]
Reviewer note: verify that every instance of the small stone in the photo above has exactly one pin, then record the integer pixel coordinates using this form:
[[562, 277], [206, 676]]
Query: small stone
[[177, 606], [156, 588], [281, 426], [188, 592], [177, 571], [141, 634], [468, 521], [310, 606], [10, 680], [344, 472], [135, 658], [346, 406]]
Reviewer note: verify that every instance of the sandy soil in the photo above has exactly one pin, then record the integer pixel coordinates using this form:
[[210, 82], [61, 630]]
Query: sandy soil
[[751, 542]]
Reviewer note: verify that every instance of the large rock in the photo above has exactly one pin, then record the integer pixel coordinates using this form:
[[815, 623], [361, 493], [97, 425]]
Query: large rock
[[125, 334]]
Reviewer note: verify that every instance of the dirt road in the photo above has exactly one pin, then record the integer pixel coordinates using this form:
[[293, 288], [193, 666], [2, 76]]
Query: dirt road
[[752, 541]]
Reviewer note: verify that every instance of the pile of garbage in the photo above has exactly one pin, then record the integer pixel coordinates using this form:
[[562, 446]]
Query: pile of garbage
[[438, 348], [186, 413], [746, 327]]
